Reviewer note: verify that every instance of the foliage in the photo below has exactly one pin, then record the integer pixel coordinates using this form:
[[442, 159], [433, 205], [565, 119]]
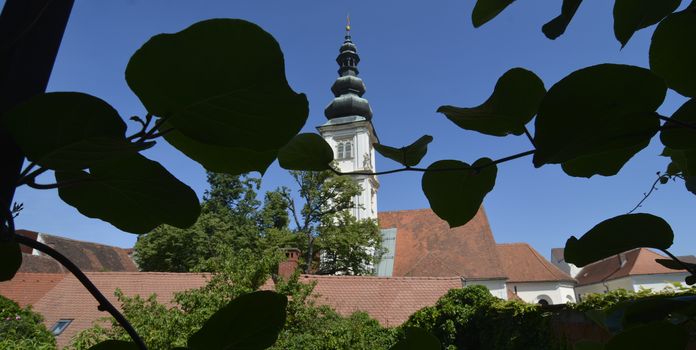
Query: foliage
[[22, 328], [471, 318]]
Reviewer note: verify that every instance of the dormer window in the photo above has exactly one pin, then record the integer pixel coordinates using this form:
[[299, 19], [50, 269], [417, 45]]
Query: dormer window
[[60, 326], [344, 149]]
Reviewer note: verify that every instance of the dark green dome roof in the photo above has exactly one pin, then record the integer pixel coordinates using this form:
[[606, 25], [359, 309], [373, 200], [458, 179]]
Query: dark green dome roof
[[348, 87]]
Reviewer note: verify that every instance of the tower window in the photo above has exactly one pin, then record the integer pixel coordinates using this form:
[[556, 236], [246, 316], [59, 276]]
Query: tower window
[[344, 149]]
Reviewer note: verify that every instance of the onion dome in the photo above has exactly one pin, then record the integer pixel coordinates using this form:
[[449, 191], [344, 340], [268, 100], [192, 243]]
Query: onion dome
[[348, 87]]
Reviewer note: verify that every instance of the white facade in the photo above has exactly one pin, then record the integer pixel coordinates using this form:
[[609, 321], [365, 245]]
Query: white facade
[[551, 292], [635, 283], [495, 286], [351, 138]]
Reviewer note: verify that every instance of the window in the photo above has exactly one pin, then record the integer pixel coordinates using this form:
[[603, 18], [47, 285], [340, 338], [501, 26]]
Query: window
[[344, 149], [60, 326], [543, 302]]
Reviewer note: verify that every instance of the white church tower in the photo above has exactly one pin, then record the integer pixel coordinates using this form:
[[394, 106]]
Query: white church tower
[[349, 129]]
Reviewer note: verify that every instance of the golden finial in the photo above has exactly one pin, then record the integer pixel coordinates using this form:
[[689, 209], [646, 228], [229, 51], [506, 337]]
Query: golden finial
[[348, 23]]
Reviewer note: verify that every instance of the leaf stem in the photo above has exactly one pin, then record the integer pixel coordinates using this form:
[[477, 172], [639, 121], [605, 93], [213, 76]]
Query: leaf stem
[[424, 170], [647, 194], [529, 136], [104, 304], [669, 120], [685, 266]]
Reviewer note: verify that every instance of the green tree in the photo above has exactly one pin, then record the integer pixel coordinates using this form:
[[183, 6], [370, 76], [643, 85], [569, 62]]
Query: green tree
[[332, 240], [22, 328]]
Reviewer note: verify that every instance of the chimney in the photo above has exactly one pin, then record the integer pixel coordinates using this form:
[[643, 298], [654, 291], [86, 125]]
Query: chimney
[[287, 268]]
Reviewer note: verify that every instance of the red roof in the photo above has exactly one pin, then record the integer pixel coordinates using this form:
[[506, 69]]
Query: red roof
[[522, 263], [427, 246], [390, 300], [29, 288], [640, 261], [70, 300]]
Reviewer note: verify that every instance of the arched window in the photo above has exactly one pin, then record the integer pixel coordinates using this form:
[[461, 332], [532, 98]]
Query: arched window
[[344, 149], [543, 302]]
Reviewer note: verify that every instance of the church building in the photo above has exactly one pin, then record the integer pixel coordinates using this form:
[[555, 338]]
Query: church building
[[418, 243]]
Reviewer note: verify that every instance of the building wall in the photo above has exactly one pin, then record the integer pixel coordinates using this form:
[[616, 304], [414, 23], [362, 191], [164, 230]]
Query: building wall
[[552, 292], [620, 283], [496, 287], [658, 282]]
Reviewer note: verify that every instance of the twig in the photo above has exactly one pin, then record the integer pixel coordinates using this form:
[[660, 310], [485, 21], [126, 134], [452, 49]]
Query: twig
[[529, 136], [424, 170], [674, 121], [104, 304], [647, 194]]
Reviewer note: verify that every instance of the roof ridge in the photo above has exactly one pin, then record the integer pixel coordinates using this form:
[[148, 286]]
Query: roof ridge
[[546, 264]]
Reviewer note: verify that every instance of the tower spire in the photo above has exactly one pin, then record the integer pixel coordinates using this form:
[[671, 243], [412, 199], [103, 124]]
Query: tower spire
[[348, 88]]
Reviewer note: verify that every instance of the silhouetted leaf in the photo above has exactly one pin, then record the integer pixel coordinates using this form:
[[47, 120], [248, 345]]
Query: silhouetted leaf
[[658, 335], [605, 163], [410, 155], [10, 259], [417, 339], [617, 235], [306, 152], [456, 195], [251, 321], [632, 15], [588, 345], [690, 183], [221, 159], [69, 130], [557, 26], [673, 51], [486, 10], [220, 82], [680, 137], [133, 193], [115, 345], [673, 265], [514, 102], [683, 161], [596, 110], [649, 310]]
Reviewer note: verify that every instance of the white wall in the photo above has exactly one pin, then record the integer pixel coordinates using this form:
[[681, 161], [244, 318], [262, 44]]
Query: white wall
[[496, 287], [552, 292], [658, 282]]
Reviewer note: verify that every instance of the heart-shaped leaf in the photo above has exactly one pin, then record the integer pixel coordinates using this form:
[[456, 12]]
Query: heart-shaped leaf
[[486, 10], [10, 258], [115, 345], [673, 51], [417, 339], [632, 15], [133, 193], [220, 159], [455, 195], [250, 322], [605, 163], [409, 155], [514, 102], [69, 130], [220, 82], [617, 235], [657, 335], [306, 152], [557, 26], [596, 110], [678, 136]]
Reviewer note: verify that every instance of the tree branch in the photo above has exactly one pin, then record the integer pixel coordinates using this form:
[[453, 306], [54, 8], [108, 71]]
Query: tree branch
[[529, 136], [104, 304], [647, 194], [424, 170], [676, 122]]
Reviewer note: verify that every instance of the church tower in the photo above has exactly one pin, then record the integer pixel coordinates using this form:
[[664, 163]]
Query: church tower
[[349, 129]]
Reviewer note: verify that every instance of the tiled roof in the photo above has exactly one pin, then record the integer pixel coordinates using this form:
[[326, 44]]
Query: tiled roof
[[29, 288], [640, 261], [390, 300], [87, 256], [524, 264], [70, 300], [427, 246]]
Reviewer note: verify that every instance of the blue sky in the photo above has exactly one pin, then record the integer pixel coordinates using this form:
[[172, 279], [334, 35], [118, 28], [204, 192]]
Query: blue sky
[[416, 56]]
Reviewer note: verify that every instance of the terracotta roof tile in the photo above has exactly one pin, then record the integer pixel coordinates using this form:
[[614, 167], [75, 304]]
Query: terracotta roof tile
[[70, 300], [29, 288], [390, 300], [40, 264], [88, 256], [640, 261], [522, 263], [427, 246]]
